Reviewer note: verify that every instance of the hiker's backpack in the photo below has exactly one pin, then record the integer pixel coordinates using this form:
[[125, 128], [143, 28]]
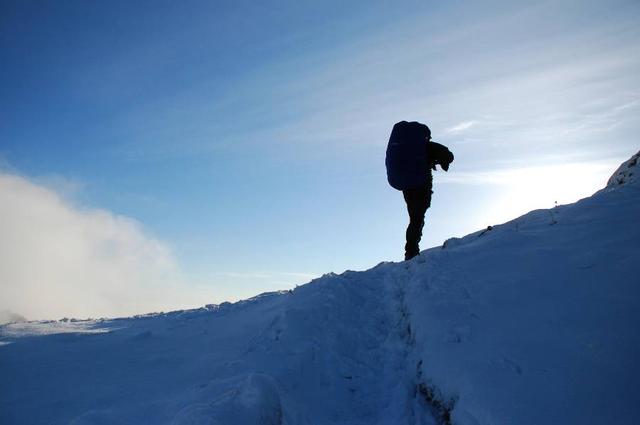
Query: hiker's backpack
[[406, 160]]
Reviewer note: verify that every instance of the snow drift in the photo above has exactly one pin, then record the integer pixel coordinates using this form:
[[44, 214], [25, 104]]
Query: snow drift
[[529, 322]]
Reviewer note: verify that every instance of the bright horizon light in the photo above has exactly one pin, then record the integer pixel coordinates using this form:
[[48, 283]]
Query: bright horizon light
[[537, 187]]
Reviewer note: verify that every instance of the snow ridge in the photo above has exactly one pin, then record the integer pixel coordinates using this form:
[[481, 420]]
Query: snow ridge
[[627, 173]]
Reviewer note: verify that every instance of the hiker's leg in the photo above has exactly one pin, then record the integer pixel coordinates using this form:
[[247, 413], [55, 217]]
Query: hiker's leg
[[418, 200]]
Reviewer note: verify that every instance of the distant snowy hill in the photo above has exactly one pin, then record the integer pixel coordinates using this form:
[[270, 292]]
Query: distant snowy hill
[[534, 321]]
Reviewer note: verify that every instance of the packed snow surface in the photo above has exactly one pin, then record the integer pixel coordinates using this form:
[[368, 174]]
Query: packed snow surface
[[534, 321]]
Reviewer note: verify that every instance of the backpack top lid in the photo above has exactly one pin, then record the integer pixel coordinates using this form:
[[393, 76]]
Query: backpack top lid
[[410, 132]]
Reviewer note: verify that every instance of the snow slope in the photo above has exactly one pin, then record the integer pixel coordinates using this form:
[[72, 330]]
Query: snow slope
[[534, 321]]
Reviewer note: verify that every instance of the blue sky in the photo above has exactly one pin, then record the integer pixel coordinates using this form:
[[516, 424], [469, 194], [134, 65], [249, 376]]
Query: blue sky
[[248, 138]]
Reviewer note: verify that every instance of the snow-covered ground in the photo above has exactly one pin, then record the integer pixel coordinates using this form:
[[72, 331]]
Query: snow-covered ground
[[531, 322]]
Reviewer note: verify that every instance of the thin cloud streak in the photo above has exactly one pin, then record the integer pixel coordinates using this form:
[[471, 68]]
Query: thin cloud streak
[[459, 128], [317, 103]]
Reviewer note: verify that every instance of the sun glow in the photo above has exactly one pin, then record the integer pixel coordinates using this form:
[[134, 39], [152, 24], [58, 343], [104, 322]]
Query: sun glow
[[522, 190]]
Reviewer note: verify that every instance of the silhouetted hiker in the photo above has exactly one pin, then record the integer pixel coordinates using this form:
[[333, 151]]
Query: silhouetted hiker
[[411, 155]]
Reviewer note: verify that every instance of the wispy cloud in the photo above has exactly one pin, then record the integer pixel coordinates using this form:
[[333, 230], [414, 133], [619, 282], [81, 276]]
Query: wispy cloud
[[459, 128], [603, 120], [59, 260], [350, 95]]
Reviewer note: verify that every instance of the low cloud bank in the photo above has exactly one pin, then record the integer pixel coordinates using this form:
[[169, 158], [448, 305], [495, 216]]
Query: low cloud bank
[[60, 260]]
